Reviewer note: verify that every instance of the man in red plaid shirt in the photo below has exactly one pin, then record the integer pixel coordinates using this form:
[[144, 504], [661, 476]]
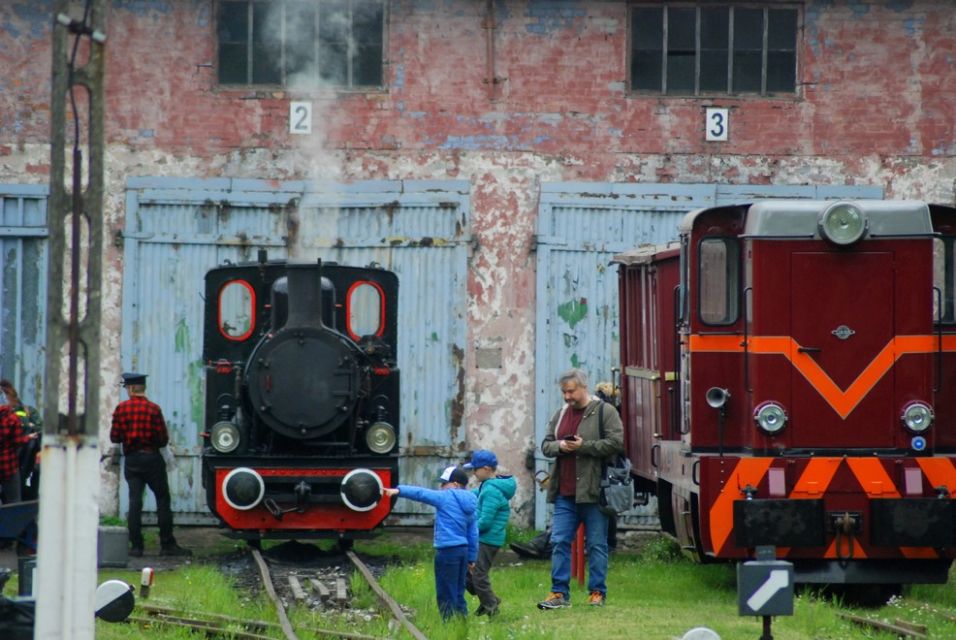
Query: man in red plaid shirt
[[139, 426], [12, 437]]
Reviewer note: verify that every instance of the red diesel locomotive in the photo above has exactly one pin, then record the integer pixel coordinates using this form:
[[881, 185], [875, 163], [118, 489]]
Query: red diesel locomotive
[[789, 381], [302, 398]]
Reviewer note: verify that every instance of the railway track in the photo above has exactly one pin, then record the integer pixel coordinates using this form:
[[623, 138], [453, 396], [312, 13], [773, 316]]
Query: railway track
[[326, 587]]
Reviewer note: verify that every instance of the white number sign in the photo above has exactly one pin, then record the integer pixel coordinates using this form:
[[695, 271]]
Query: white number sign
[[300, 117], [716, 124]]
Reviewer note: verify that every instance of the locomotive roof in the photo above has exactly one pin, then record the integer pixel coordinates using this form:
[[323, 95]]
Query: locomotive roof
[[799, 218], [646, 253]]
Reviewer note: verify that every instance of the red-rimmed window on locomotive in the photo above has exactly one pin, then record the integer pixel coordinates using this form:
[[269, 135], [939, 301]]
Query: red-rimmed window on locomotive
[[365, 310], [237, 310], [719, 277], [944, 280]]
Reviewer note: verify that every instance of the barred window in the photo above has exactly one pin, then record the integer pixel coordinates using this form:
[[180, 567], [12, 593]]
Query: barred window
[[713, 49], [301, 43]]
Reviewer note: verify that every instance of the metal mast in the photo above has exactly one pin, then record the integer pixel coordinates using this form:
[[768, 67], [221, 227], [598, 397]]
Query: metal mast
[[66, 555]]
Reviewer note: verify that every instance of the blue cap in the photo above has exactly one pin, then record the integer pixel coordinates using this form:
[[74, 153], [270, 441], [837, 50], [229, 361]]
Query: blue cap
[[453, 474], [133, 378], [482, 458]]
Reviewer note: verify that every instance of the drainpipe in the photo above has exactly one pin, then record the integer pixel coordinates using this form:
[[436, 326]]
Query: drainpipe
[[489, 26]]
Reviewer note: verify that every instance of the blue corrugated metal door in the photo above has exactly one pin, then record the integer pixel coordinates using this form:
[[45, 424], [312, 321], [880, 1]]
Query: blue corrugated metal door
[[177, 229], [23, 254], [580, 227]]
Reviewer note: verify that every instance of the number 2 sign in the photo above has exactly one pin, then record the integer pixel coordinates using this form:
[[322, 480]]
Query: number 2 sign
[[716, 124], [300, 117]]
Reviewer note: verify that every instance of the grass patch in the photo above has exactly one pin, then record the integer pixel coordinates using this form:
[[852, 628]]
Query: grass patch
[[655, 595]]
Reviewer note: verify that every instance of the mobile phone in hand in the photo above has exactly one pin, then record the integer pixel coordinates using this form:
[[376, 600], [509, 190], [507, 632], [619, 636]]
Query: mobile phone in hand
[[569, 437]]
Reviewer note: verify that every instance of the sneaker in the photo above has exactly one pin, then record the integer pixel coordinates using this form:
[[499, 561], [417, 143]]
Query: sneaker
[[136, 552], [596, 599], [554, 601], [483, 611], [174, 550]]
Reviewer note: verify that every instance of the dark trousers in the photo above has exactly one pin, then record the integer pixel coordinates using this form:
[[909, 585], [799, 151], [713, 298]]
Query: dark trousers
[[479, 580], [148, 470], [11, 489], [451, 567]]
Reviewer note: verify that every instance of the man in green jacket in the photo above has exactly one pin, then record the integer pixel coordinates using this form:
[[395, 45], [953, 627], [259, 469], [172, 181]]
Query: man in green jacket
[[581, 435], [494, 494]]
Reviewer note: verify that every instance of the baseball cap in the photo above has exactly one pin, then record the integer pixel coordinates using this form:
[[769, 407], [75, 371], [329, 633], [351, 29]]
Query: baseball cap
[[482, 458], [453, 474]]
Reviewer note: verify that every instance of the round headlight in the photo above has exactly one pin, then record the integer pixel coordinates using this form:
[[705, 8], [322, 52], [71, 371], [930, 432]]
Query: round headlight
[[380, 437], [842, 223], [243, 488], [770, 417], [361, 490], [225, 437], [917, 417]]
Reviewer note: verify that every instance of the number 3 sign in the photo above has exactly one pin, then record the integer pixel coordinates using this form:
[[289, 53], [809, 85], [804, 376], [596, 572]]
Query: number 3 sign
[[300, 117], [716, 124]]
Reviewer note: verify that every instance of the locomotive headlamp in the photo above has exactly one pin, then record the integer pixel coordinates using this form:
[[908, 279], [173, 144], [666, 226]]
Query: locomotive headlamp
[[842, 223], [224, 437], [380, 437], [361, 489], [243, 488], [917, 417], [770, 417]]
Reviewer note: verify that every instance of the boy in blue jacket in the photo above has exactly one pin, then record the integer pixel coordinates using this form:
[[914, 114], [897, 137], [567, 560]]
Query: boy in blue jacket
[[456, 536], [494, 493]]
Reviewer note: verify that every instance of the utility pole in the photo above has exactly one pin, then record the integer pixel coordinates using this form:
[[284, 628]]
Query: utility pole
[[69, 515]]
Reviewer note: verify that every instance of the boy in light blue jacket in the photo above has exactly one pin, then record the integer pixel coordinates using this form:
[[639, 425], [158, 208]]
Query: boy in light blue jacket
[[456, 536], [494, 494]]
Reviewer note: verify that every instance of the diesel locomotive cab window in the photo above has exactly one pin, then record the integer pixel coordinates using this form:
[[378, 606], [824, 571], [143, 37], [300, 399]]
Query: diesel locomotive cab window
[[703, 48], [301, 43], [365, 306], [944, 280], [718, 273], [237, 310]]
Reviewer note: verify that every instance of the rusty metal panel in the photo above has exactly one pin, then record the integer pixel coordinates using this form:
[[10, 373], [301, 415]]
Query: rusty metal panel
[[177, 229], [23, 288]]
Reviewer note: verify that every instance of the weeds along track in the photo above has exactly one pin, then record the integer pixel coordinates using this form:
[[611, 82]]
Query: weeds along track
[[291, 574], [340, 592]]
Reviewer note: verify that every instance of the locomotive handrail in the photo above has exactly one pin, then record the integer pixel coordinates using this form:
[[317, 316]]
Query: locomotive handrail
[[939, 339], [746, 343]]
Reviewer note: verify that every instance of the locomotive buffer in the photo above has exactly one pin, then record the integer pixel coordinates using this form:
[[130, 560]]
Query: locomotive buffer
[[765, 588]]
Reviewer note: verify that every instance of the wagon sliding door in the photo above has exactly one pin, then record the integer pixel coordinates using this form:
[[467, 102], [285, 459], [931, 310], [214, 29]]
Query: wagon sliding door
[[177, 229]]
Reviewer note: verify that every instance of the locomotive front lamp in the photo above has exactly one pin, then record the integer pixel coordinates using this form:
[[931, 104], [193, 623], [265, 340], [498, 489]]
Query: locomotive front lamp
[[225, 437], [243, 488], [380, 437], [917, 417], [771, 417], [842, 223]]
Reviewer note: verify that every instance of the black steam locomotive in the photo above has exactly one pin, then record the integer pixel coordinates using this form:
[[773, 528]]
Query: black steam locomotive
[[302, 398]]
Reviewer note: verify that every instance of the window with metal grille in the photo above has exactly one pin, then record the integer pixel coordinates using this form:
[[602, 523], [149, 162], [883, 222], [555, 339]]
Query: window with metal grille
[[695, 49], [301, 43]]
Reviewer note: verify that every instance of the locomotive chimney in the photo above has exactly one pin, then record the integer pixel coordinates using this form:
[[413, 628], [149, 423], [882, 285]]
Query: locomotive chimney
[[305, 295]]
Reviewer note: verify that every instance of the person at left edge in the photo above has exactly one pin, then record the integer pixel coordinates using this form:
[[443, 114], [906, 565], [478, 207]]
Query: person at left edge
[[139, 426], [28, 456], [12, 438], [456, 535]]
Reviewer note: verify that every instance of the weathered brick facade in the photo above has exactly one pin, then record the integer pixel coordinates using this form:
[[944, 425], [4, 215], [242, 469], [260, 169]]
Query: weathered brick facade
[[876, 104]]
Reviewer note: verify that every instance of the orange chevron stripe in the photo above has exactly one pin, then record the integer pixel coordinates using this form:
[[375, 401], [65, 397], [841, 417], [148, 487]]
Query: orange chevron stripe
[[747, 471], [873, 478], [843, 402], [816, 478], [858, 552], [940, 472]]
